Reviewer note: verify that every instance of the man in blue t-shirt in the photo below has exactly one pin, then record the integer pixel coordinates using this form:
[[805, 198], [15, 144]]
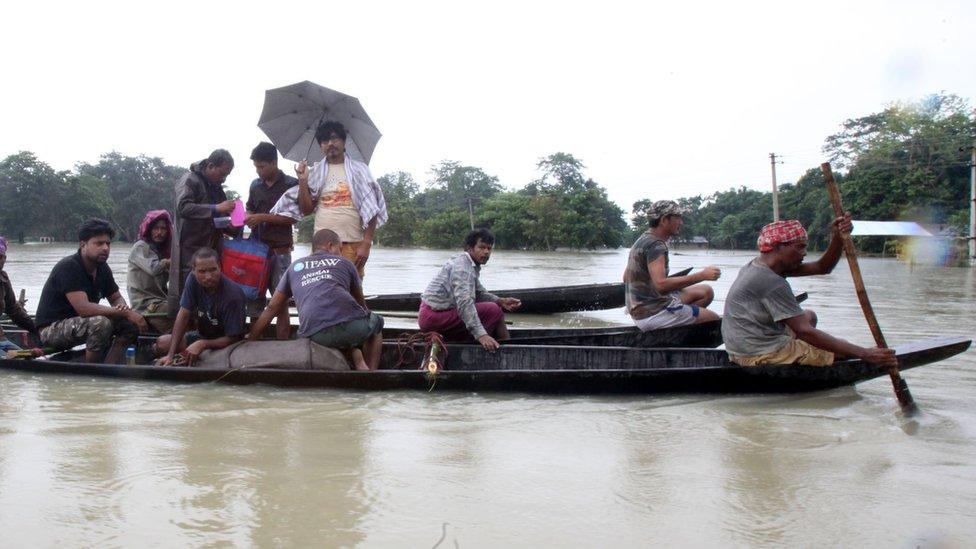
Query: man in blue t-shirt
[[217, 303], [331, 309]]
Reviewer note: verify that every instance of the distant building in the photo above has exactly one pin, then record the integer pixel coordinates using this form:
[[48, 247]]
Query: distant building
[[695, 242]]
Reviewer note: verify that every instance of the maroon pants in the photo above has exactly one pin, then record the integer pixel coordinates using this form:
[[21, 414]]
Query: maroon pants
[[449, 324]]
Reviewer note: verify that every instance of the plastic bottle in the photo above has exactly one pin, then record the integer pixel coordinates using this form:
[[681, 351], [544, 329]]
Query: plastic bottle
[[130, 356]]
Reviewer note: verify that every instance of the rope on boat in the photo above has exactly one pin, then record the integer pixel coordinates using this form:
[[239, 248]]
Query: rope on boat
[[434, 355]]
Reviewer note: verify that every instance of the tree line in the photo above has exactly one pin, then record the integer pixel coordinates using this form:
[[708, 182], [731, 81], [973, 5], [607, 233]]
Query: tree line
[[910, 161]]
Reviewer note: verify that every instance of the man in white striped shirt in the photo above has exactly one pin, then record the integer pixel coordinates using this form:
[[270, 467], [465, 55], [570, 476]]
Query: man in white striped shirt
[[341, 192]]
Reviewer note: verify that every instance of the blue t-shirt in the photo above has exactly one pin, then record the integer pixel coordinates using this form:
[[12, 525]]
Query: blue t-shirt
[[321, 285], [218, 314]]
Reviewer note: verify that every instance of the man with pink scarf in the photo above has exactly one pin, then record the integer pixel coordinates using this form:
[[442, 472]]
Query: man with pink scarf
[[148, 272]]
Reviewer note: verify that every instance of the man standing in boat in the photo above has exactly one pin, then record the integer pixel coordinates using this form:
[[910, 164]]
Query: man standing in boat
[[341, 192], [69, 314], [764, 324], [202, 218], [332, 311], [655, 301], [217, 303], [273, 230], [457, 306]]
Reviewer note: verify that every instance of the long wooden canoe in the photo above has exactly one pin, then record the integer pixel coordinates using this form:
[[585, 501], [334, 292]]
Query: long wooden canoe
[[537, 369], [706, 335], [555, 299]]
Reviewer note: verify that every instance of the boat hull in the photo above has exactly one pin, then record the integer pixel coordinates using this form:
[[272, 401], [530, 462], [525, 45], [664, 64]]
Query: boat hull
[[539, 369], [558, 299]]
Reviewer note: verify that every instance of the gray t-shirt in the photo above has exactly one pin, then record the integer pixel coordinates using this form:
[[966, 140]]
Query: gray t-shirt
[[321, 285], [756, 306]]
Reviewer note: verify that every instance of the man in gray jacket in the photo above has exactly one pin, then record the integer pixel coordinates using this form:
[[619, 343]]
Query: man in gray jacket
[[201, 205]]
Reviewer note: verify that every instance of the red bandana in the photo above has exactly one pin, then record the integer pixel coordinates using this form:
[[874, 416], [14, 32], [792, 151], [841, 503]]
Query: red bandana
[[781, 232]]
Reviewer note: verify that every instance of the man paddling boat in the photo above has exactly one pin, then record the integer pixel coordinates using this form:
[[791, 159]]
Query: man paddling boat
[[654, 300], [457, 306], [764, 324], [331, 309]]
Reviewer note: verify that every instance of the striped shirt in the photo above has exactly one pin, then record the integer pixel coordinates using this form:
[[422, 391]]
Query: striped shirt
[[456, 286], [366, 193]]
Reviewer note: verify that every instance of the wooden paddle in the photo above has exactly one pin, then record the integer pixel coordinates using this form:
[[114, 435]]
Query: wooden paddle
[[900, 386]]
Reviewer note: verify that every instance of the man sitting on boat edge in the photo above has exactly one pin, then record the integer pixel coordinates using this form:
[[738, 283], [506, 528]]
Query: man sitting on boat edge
[[332, 310], [68, 312], [457, 306], [14, 310], [764, 324], [218, 304], [655, 301]]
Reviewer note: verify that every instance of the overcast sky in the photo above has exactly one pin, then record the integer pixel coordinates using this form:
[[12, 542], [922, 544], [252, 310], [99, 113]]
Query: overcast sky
[[659, 101]]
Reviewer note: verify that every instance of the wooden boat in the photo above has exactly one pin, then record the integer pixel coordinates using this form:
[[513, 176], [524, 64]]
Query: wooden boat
[[555, 299], [705, 335], [535, 369]]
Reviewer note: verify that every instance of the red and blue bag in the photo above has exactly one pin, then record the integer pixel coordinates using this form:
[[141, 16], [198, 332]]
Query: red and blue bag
[[245, 261]]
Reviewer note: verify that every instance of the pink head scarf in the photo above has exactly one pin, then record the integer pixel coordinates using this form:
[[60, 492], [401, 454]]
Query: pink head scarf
[[145, 228]]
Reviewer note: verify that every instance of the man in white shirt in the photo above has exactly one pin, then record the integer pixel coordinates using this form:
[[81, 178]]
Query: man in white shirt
[[342, 194]]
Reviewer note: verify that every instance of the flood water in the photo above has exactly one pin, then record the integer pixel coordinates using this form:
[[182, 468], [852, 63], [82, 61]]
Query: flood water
[[100, 462]]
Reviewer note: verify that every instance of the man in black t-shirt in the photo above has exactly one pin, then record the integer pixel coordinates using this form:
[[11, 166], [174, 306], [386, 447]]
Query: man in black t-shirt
[[218, 305], [273, 230], [68, 313]]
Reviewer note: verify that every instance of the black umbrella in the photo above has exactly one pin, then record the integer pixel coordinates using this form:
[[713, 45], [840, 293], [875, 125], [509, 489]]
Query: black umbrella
[[291, 115]]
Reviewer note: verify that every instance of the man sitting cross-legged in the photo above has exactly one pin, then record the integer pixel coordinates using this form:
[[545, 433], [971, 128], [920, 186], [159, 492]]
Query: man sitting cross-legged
[[218, 305], [331, 308]]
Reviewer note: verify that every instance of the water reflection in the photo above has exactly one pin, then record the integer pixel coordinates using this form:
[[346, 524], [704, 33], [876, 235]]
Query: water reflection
[[120, 463]]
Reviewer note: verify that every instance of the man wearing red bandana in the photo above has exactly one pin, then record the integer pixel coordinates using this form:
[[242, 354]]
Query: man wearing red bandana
[[764, 324]]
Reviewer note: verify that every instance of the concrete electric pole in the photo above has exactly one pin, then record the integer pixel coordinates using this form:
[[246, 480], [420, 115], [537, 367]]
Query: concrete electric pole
[[772, 163]]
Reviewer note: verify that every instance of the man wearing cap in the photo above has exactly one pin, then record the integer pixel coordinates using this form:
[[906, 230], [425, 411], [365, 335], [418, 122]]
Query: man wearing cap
[[764, 324], [655, 301]]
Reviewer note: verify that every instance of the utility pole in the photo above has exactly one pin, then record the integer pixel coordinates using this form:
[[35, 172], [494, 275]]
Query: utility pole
[[972, 205], [772, 163], [471, 213]]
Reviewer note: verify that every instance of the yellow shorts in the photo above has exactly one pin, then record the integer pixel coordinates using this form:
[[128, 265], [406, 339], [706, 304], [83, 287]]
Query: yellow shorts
[[348, 251], [796, 351]]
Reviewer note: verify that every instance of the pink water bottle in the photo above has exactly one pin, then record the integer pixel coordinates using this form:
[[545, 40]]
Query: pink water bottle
[[237, 216]]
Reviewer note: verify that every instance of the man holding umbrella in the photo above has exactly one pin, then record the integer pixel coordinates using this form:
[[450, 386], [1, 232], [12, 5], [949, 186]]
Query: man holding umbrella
[[341, 192]]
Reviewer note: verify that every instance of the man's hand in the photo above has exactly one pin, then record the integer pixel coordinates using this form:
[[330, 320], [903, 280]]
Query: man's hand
[[488, 343], [253, 220], [509, 303], [301, 170], [881, 357], [842, 225], [362, 253], [193, 351], [122, 306], [225, 207], [710, 273], [137, 319], [165, 361], [164, 263]]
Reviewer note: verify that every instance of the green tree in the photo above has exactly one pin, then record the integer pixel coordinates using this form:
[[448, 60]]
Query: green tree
[[401, 193], [136, 184], [29, 190]]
